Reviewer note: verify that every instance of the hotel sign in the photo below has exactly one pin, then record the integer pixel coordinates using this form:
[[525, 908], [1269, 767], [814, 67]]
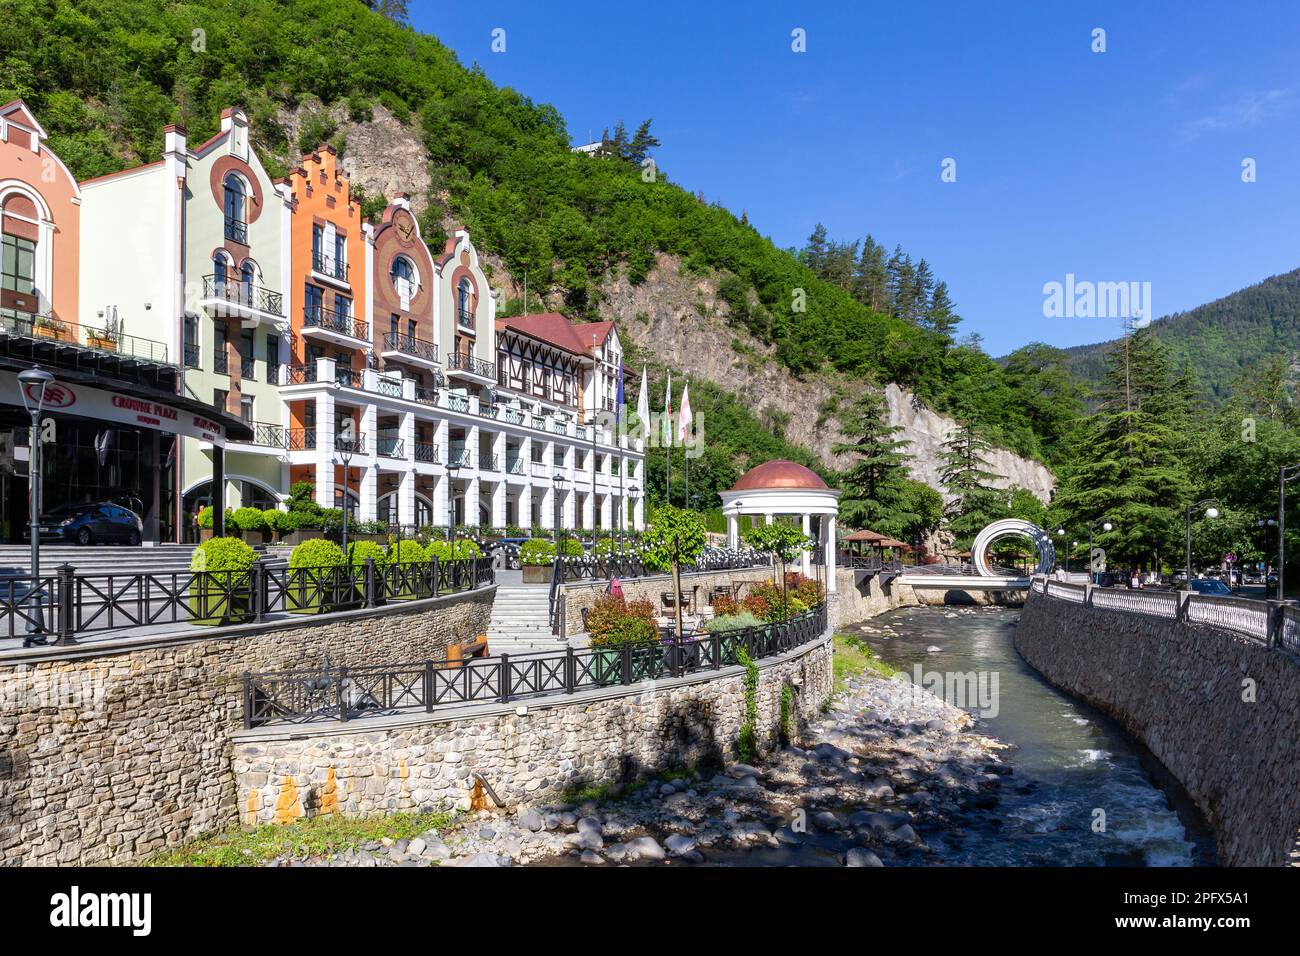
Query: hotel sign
[[112, 406]]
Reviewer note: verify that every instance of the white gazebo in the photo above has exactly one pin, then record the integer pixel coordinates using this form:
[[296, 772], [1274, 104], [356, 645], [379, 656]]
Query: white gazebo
[[786, 488]]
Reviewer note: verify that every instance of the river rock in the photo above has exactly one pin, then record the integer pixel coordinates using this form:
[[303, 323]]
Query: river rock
[[679, 844], [860, 856]]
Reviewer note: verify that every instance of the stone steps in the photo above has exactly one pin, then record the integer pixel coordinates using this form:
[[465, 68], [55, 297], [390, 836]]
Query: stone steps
[[521, 621]]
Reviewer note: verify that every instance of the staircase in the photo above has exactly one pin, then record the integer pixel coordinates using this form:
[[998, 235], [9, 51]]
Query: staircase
[[98, 559], [521, 621]]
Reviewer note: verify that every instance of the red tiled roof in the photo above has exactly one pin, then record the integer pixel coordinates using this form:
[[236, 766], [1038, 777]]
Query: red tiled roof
[[554, 329]]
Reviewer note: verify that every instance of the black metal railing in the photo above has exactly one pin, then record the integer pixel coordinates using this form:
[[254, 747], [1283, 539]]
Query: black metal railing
[[426, 451], [389, 447], [346, 693], [487, 462], [304, 439], [299, 374], [465, 317], [268, 433], [410, 345], [65, 604], [248, 368], [237, 230], [464, 362], [192, 356], [47, 328], [315, 317], [240, 293], [220, 362], [334, 268]]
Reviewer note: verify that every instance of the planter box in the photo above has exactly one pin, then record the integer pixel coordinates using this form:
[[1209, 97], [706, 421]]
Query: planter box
[[253, 538], [49, 332], [377, 538], [299, 535], [537, 574], [107, 345]]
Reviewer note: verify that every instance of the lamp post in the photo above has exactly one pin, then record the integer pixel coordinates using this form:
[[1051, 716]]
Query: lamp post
[[632, 493], [1210, 512], [1284, 474], [32, 384], [1265, 523], [1105, 526], [1060, 533], [344, 449], [558, 482], [595, 514], [453, 466]]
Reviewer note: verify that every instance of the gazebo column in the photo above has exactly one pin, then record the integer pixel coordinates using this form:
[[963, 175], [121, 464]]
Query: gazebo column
[[830, 555], [807, 554], [733, 531]]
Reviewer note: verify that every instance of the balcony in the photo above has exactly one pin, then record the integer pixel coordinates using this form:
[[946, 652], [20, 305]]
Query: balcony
[[462, 363], [540, 470], [41, 330], [457, 403], [389, 447], [465, 319], [513, 416], [426, 451], [487, 462], [237, 230], [426, 395], [339, 327], [458, 458], [220, 363], [249, 301], [268, 435], [299, 374], [248, 368], [329, 268], [400, 347], [514, 466], [192, 356], [304, 439]]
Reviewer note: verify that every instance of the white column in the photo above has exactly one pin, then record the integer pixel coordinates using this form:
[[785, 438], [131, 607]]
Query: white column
[[367, 489], [471, 501], [733, 532], [441, 503], [568, 507], [807, 555], [548, 508], [526, 502], [607, 513], [325, 449], [499, 505], [830, 555], [589, 510], [638, 514], [406, 498]]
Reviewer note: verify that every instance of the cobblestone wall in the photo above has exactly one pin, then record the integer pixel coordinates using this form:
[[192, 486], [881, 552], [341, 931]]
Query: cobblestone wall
[[528, 755], [1222, 714], [111, 752], [580, 596]]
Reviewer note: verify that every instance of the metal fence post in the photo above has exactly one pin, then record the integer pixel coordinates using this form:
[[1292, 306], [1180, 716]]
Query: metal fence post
[[67, 603], [257, 593], [343, 710], [436, 591], [503, 681], [248, 701], [1184, 598], [717, 650], [570, 670], [369, 586], [627, 663], [428, 687], [1273, 634]]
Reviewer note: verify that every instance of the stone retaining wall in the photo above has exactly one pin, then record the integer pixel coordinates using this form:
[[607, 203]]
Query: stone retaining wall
[[1222, 714], [859, 602], [580, 595], [113, 750], [528, 753]]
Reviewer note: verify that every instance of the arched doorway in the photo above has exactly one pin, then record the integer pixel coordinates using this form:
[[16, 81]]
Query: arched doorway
[[1012, 527]]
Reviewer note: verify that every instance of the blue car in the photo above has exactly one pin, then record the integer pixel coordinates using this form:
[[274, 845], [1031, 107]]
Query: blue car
[[98, 523], [1210, 586]]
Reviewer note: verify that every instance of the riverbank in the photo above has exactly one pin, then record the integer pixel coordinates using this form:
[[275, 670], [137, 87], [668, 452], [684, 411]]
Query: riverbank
[[869, 782]]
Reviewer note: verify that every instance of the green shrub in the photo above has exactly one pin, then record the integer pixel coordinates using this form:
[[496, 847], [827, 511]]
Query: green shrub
[[465, 549], [209, 601], [733, 622], [536, 551], [331, 519], [301, 521], [613, 621], [204, 518], [276, 520], [747, 745], [407, 551], [358, 551], [249, 519], [313, 588]]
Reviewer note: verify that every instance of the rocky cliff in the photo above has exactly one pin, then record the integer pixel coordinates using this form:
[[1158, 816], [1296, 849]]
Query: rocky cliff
[[679, 319]]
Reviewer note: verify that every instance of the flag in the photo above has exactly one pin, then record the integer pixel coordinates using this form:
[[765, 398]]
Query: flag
[[668, 413], [684, 420], [643, 405]]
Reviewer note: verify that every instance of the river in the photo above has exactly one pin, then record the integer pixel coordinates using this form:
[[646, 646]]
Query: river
[[1070, 761]]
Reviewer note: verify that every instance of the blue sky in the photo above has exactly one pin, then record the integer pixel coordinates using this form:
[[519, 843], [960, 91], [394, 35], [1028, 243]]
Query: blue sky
[[1116, 166]]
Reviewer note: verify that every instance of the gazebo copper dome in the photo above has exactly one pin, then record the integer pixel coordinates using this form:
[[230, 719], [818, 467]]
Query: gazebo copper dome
[[779, 474]]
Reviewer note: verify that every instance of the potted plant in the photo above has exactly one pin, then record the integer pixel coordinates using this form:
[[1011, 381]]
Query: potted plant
[[251, 524], [276, 523], [221, 594], [319, 579], [47, 326]]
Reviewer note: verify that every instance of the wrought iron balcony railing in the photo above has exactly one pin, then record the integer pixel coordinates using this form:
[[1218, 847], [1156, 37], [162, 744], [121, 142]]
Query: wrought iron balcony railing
[[243, 294], [192, 356], [269, 434], [305, 439], [514, 466], [464, 362], [457, 403], [334, 268], [248, 367], [465, 317], [299, 374], [237, 230], [221, 362], [458, 457], [389, 447], [46, 327], [426, 451], [340, 322], [410, 345], [487, 462]]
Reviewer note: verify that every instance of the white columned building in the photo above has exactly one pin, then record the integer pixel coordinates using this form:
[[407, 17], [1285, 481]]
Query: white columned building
[[784, 487]]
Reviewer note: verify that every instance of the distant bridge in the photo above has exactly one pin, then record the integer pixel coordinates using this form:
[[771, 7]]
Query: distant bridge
[[979, 575]]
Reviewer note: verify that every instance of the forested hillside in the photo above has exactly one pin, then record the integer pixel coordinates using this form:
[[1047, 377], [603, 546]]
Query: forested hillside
[[1221, 339], [106, 75]]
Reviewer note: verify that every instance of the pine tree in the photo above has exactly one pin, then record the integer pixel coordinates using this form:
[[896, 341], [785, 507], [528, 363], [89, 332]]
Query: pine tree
[[939, 314], [619, 145], [873, 484], [642, 142], [964, 474], [814, 253], [1128, 464]]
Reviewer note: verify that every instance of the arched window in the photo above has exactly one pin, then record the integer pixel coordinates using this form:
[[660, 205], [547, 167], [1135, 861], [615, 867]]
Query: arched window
[[464, 311], [236, 208], [403, 275], [219, 273], [247, 280]]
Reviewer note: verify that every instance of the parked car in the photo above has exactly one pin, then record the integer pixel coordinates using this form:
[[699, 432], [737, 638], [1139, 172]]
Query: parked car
[[1211, 586], [95, 523]]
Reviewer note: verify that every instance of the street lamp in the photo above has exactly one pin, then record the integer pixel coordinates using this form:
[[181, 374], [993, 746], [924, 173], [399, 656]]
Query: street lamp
[[632, 494], [1105, 526], [32, 384], [1060, 533], [1210, 512], [345, 448], [558, 482], [1284, 474]]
